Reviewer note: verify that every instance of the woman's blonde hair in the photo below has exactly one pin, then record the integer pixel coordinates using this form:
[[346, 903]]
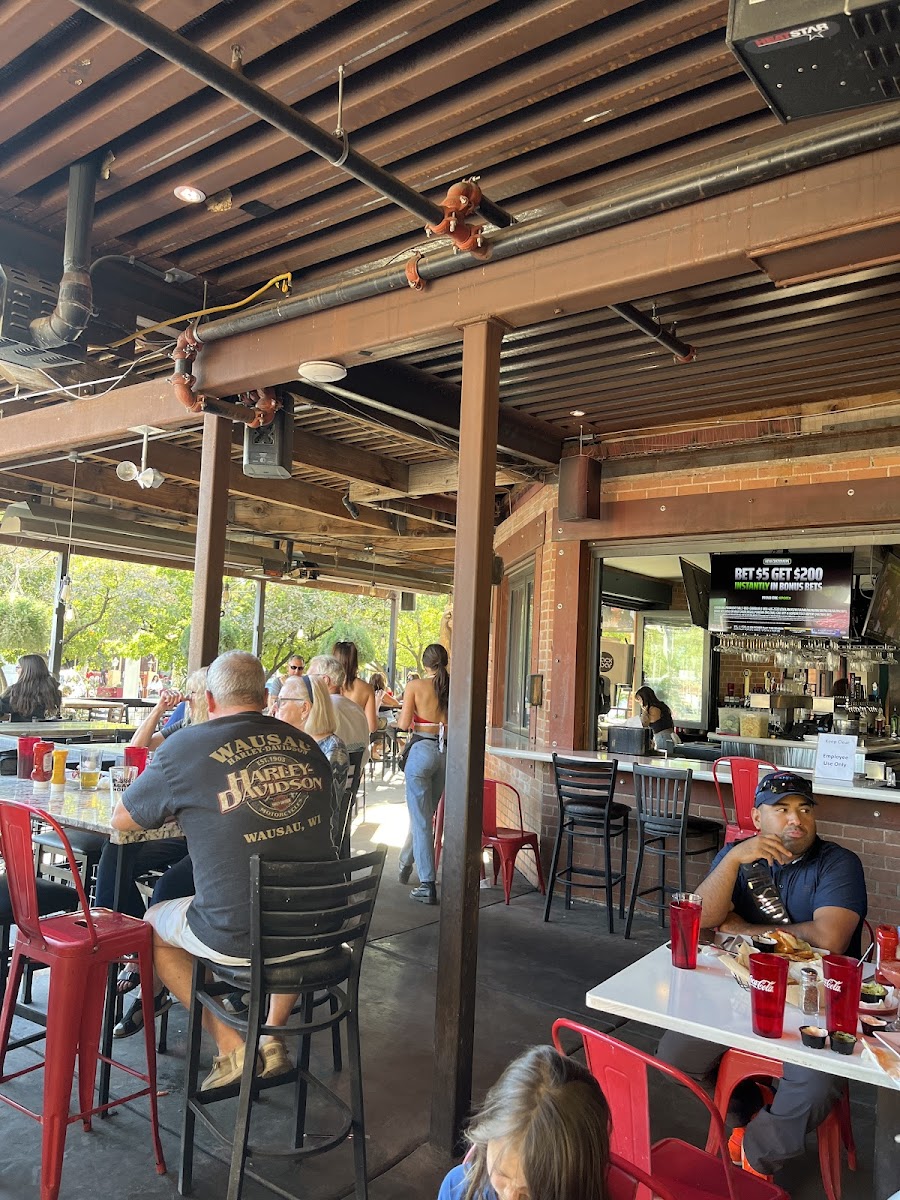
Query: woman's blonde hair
[[321, 721], [195, 689], [552, 1110]]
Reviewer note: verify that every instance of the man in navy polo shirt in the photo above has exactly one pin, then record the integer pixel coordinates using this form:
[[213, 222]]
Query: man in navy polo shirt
[[823, 890]]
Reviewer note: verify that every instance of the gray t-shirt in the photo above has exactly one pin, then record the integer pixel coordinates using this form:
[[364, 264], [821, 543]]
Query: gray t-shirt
[[238, 786]]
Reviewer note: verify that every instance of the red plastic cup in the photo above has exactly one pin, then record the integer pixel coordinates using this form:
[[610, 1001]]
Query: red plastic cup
[[843, 979], [25, 756], [136, 756], [684, 926], [768, 991]]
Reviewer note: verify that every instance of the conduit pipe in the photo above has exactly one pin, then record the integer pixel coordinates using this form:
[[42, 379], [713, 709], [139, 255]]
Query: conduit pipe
[[334, 148], [74, 304], [682, 351], [634, 202]]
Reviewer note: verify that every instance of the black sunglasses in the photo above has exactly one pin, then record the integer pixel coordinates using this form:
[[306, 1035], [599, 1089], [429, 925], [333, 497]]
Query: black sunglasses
[[782, 782]]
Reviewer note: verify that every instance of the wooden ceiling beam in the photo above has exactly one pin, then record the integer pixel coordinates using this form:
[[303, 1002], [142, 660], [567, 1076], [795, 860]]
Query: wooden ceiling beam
[[428, 478], [281, 520], [95, 479]]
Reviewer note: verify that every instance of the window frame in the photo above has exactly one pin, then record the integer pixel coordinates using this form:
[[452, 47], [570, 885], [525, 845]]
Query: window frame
[[520, 588], [673, 617]]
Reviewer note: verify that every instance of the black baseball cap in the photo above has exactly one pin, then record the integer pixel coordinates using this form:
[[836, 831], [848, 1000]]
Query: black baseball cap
[[777, 784]]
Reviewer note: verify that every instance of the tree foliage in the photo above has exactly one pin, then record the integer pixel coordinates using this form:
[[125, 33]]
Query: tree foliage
[[125, 610]]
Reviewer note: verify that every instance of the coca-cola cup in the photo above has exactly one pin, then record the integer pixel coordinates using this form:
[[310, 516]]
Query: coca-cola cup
[[843, 979], [25, 756], [768, 990], [684, 926], [136, 756]]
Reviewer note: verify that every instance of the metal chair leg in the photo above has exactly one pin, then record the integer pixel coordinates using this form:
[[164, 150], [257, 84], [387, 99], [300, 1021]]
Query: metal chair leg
[[635, 883], [191, 1071], [554, 863], [624, 865]]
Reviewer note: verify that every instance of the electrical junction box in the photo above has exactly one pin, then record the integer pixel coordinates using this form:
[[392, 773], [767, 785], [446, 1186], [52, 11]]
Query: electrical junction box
[[269, 450], [811, 57]]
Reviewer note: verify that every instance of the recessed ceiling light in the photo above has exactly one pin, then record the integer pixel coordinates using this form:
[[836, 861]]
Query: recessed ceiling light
[[577, 412], [190, 194], [321, 372]]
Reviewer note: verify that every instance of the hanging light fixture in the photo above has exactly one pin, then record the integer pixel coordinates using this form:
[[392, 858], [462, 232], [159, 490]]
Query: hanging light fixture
[[146, 477], [66, 587], [373, 591]]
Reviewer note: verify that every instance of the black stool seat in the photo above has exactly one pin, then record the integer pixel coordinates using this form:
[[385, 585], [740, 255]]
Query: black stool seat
[[312, 971], [52, 898], [663, 798], [80, 839], [584, 793]]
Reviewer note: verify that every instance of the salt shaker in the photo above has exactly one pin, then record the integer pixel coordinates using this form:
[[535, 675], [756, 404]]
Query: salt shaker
[[809, 992]]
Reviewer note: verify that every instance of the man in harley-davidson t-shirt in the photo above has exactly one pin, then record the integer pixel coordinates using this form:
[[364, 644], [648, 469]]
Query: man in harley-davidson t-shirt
[[240, 784]]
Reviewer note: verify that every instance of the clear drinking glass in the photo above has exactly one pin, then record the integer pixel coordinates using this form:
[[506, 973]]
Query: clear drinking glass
[[119, 779], [89, 771]]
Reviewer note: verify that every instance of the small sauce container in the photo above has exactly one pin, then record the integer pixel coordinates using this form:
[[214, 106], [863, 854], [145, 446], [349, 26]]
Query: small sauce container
[[843, 1043], [872, 1025], [813, 1036]]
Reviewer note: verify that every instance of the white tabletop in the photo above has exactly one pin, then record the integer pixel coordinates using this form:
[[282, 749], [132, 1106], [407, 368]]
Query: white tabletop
[[709, 1004]]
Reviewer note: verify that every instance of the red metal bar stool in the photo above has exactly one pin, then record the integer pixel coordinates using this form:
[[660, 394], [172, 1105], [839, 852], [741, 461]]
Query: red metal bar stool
[[744, 778], [78, 948], [738, 1065]]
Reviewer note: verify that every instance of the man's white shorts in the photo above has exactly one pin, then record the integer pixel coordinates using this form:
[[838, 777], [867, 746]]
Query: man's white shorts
[[169, 919]]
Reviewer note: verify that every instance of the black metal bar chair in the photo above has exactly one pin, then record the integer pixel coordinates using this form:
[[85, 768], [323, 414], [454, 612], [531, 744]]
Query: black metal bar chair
[[320, 911], [587, 810], [662, 801]]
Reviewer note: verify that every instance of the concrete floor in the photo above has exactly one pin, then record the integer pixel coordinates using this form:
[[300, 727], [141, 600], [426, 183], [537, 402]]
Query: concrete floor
[[528, 974]]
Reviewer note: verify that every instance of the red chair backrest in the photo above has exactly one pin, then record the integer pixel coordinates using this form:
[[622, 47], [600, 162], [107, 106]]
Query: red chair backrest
[[744, 779], [489, 812], [15, 837], [621, 1071]]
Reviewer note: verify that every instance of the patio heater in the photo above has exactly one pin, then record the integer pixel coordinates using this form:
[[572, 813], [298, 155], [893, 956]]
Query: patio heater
[[811, 57]]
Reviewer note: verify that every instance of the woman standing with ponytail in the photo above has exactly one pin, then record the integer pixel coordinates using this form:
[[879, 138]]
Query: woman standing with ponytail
[[424, 716]]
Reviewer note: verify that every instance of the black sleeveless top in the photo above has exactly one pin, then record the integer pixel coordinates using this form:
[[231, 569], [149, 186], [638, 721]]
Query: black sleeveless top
[[665, 722]]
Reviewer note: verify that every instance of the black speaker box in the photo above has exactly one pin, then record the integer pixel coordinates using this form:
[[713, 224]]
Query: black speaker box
[[811, 57], [407, 601]]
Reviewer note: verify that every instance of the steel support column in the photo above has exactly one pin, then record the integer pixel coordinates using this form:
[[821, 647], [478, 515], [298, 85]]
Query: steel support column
[[259, 617], [57, 629], [212, 516], [458, 944]]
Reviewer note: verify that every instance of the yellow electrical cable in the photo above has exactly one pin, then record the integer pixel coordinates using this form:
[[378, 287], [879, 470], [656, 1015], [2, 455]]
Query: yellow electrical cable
[[282, 281]]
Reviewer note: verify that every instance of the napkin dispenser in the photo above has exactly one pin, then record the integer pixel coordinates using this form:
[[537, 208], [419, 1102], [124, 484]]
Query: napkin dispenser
[[628, 739]]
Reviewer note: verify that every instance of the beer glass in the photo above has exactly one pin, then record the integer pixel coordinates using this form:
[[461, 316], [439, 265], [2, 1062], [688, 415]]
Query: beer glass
[[89, 770], [119, 779]]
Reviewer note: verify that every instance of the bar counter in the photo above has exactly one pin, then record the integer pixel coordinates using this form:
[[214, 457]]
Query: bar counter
[[863, 816]]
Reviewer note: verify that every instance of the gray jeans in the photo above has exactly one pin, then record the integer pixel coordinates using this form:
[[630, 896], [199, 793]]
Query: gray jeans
[[802, 1101]]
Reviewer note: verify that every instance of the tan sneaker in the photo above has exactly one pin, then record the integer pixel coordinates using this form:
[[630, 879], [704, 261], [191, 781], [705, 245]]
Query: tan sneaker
[[226, 1069], [275, 1059]]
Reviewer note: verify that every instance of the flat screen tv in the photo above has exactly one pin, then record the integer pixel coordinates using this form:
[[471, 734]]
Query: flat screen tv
[[696, 585], [883, 618], [781, 592]]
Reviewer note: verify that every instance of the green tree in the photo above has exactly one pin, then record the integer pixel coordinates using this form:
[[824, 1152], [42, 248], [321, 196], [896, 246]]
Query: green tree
[[416, 630], [24, 626]]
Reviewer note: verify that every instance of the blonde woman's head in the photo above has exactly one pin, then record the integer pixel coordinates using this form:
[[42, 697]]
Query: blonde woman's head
[[195, 691], [305, 703]]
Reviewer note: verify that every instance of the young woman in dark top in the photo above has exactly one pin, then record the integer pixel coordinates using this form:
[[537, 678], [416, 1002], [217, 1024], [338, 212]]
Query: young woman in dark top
[[35, 695], [657, 717]]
